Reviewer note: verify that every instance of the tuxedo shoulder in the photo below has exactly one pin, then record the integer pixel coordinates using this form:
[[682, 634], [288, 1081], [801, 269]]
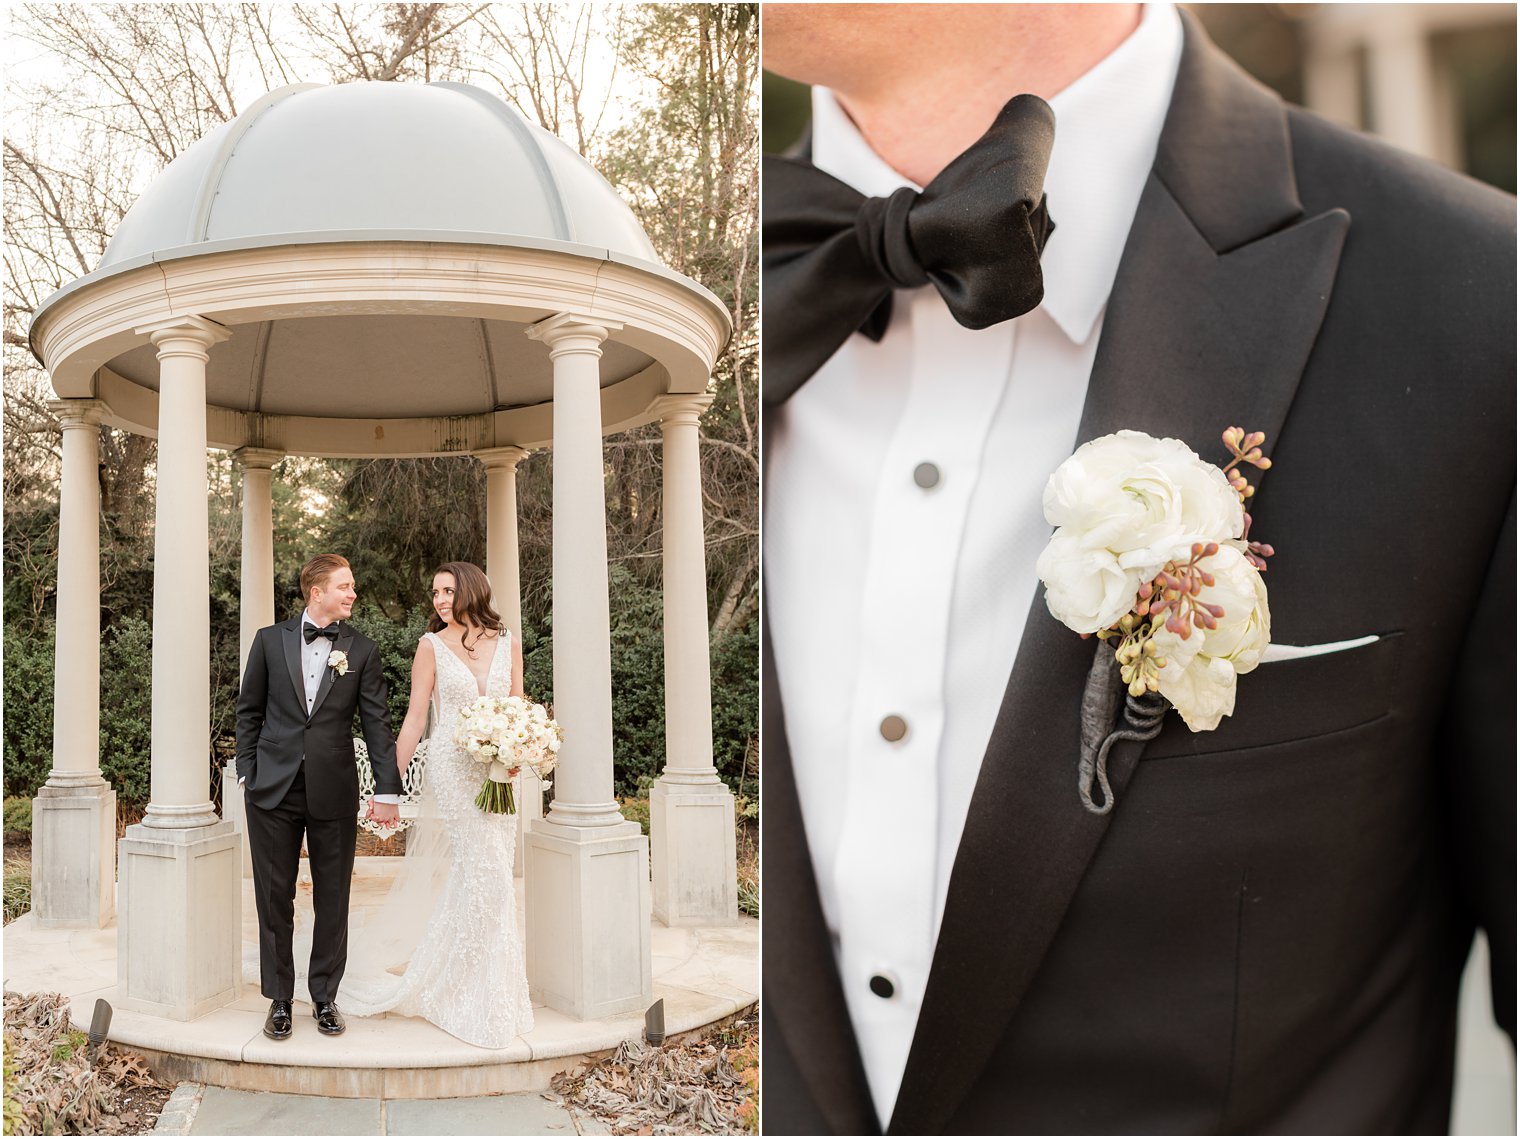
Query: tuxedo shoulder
[[1382, 185]]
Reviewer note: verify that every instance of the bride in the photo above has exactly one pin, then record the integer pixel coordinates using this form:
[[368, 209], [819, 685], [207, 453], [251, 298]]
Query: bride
[[465, 972]]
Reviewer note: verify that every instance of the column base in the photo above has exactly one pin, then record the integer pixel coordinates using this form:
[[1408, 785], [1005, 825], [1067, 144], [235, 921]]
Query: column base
[[530, 809], [74, 855], [691, 833], [179, 952], [235, 811], [587, 917]]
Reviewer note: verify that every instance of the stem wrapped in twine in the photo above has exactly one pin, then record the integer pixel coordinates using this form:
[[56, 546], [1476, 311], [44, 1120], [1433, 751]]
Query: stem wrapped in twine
[[495, 796], [1143, 716]]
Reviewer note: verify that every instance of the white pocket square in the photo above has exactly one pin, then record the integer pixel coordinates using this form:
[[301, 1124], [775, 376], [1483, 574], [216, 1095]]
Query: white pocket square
[[1295, 652]]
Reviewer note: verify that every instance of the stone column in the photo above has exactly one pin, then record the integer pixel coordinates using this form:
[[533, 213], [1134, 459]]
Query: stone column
[[255, 598], [691, 811], [178, 953], [1401, 81], [506, 584], [587, 877], [74, 813]]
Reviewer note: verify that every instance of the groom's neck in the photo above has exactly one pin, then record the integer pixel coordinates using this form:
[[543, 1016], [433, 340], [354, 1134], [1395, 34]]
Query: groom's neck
[[923, 82]]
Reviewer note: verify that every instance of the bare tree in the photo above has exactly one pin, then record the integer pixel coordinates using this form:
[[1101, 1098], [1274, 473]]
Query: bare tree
[[540, 56]]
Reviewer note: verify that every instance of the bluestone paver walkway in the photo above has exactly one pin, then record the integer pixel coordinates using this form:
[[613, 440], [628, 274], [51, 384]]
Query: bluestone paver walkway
[[225, 1112]]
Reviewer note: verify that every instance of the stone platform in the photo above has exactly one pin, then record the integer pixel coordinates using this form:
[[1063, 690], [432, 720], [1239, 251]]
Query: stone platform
[[703, 975]]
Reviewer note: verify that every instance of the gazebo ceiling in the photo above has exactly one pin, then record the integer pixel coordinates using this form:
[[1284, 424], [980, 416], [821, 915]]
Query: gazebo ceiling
[[383, 367], [377, 251]]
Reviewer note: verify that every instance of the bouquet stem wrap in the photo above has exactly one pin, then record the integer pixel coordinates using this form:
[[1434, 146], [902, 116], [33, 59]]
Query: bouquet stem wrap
[[507, 733], [495, 796]]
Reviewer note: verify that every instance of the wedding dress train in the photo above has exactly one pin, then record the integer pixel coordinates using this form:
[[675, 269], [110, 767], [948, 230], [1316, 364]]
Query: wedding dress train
[[466, 972]]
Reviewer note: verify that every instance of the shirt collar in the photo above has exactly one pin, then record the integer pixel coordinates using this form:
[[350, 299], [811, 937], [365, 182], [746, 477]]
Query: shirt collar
[[1108, 124]]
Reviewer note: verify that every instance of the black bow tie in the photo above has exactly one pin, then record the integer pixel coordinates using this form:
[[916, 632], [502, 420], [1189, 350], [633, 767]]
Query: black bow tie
[[833, 256], [311, 632]]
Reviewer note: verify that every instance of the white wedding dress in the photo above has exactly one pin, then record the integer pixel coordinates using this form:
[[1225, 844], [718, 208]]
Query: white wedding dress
[[466, 973]]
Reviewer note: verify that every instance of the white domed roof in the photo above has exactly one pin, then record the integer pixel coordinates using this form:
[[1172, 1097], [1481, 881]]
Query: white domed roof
[[360, 161]]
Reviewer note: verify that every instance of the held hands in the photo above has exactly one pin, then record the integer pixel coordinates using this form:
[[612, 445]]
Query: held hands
[[385, 814]]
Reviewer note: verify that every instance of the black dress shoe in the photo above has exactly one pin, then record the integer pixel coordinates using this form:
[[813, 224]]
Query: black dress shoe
[[277, 1025], [329, 1020]]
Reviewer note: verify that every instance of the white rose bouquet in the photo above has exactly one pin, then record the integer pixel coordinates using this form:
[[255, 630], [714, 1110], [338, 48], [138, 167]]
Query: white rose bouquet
[[507, 733], [1152, 553]]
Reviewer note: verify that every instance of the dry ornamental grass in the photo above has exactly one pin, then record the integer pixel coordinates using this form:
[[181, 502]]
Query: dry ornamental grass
[[708, 1086], [52, 1089]]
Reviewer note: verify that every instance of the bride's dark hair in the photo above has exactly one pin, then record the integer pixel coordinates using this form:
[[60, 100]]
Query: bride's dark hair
[[472, 601]]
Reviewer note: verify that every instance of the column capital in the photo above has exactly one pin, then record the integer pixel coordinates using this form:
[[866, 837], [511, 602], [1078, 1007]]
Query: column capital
[[495, 457], [78, 412], [572, 331], [182, 335], [681, 408], [257, 458]]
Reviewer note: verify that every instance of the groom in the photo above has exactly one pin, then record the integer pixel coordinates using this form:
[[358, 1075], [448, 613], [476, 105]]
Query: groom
[[1266, 933], [304, 680]]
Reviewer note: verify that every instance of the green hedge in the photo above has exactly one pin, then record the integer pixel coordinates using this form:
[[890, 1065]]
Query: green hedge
[[638, 695], [28, 728], [18, 815]]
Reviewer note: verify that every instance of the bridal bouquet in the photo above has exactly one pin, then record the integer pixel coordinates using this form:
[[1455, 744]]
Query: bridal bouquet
[[1152, 553], [507, 733]]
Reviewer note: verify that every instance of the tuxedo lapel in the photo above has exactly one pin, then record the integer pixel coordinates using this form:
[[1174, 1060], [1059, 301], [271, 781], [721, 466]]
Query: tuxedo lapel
[[329, 674], [802, 989], [1213, 314], [290, 637]]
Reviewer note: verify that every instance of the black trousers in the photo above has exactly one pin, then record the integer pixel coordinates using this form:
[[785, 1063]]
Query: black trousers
[[274, 841]]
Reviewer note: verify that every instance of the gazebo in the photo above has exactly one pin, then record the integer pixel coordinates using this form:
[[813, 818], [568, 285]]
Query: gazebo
[[368, 270]]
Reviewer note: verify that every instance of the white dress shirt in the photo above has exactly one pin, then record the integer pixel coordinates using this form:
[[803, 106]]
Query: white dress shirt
[[314, 656], [903, 520]]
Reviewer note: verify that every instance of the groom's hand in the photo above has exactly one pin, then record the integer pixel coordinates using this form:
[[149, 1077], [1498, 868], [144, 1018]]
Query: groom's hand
[[386, 814]]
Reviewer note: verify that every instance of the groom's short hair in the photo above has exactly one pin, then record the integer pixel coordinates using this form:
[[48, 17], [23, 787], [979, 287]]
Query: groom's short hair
[[318, 570]]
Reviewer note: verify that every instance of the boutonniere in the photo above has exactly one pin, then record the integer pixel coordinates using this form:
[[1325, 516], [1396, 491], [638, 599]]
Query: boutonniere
[[338, 662], [1152, 554]]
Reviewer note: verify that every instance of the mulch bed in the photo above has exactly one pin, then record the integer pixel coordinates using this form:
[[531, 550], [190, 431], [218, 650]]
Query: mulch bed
[[51, 1088], [709, 1085]]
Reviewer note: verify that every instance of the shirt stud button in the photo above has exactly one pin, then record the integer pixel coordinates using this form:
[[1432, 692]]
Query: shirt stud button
[[926, 475], [882, 986], [894, 728]]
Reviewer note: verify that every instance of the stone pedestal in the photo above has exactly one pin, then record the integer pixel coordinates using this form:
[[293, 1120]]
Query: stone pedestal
[[587, 894], [691, 812], [691, 827], [506, 589], [587, 872], [73, 859], [235, 811], [180, 956], [74, 813]]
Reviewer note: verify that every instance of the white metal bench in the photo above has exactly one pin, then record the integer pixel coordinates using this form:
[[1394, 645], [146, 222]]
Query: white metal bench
[[411, 786]]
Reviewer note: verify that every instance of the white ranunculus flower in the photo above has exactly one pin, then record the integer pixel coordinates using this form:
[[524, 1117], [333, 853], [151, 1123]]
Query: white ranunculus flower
[[1144, 500], [1086, 589], [1200, 672]]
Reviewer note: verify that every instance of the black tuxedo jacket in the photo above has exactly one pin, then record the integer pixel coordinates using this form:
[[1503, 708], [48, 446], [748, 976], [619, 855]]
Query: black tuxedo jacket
[[275, 735], [1267, 932]]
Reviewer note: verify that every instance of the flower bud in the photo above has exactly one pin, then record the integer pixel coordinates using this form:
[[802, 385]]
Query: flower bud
[[1137, 687]]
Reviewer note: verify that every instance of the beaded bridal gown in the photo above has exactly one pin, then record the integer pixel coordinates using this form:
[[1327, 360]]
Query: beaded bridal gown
[[466, 973]]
